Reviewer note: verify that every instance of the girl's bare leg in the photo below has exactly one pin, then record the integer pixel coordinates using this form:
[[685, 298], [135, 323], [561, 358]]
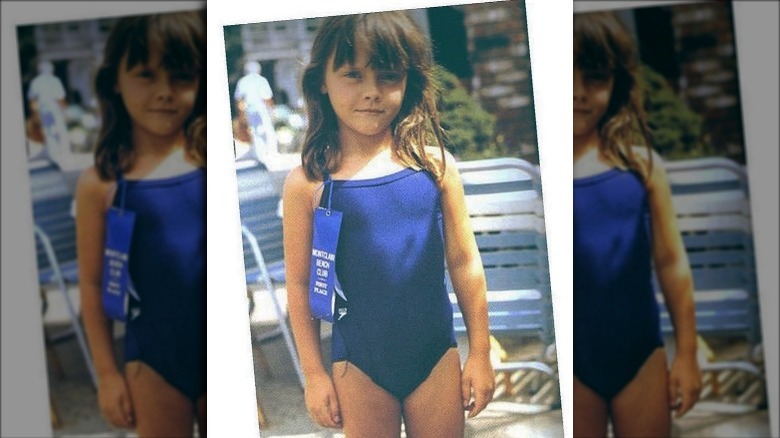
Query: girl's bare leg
[[641, 409], [201, 407], [435, 408], [366, 409], [590, 412], [160, 409]]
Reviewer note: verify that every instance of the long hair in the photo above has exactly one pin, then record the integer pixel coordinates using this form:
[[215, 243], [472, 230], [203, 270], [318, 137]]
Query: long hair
[[396, 43], [181, 38], [602, 43]]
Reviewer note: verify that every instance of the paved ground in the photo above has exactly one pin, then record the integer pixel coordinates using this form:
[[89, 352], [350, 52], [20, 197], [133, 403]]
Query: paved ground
[[71, 392], [282, 401], [74, 396]]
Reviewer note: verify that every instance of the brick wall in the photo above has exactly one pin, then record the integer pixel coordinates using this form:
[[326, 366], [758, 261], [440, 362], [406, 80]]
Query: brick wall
[[498, 52], [705, 46]]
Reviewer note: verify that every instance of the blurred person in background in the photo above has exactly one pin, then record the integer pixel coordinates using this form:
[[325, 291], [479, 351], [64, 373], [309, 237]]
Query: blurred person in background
[[254, 99], [46, 96]]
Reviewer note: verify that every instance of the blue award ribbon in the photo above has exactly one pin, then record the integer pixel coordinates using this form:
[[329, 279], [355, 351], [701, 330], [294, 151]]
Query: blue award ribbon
[[116, 257], [323, 284]]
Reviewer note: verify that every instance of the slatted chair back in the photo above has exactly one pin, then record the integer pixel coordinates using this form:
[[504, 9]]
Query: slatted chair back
[[261, 231], [52, 213], [711, 199], [55, 240], [259, 209], [503, 197]]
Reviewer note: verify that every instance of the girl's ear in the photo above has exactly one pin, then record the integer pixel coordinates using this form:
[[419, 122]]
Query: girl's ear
[[323, 89]]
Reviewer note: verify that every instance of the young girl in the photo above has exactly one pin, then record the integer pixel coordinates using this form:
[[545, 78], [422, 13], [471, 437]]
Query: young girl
[[151, 157], [624, 224], [371, 108]]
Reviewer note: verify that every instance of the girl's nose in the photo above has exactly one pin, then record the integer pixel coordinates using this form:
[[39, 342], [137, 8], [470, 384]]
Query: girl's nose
[[371, 91], [164, 90]]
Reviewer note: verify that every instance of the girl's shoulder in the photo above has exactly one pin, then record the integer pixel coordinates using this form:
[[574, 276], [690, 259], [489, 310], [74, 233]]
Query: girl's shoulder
[[92, 192], [445, 161], [434, 153], [654, 162], [92, 188], [90, 181], [297, 183]]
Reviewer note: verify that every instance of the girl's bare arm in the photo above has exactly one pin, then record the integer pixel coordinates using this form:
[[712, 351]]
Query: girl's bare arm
[[674, 276], [297, 204], [671, 260], [463, 260], [298, 194], [91, 205], [468, 279]]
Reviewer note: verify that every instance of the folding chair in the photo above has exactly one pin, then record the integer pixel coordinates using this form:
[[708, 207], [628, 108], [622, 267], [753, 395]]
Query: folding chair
[[55, 233], [263, 250], [711, 199], [503, 197]]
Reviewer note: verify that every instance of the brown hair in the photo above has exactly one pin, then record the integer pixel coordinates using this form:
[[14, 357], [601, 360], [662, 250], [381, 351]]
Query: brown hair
[[602, 43], [396, 43], [181, 37]]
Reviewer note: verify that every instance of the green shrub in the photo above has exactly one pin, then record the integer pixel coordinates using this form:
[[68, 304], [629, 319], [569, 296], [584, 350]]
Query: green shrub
[[677, 130], [470, 129]]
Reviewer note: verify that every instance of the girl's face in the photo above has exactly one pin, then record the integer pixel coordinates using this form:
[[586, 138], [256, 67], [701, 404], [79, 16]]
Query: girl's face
[[592, 93], [157, 100], [364, 99]]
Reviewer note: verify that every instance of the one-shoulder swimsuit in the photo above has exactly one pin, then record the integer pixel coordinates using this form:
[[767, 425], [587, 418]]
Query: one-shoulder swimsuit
[[168, 270], [390, 263], [616, 318]]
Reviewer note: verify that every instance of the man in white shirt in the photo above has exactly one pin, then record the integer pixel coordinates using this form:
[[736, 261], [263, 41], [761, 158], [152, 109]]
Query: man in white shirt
[[254, 97], [47, 97]]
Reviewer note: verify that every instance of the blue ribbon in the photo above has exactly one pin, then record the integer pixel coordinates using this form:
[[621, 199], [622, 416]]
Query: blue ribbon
[[116, 258], [323, 284]]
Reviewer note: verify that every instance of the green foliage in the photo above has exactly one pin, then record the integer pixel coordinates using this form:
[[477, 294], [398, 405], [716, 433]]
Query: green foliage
[[470, 129], [677, 130]]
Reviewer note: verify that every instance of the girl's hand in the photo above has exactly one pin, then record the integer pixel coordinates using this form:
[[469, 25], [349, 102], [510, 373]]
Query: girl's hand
[[321, 401], [684, 384], [114, 400], [478, 383]]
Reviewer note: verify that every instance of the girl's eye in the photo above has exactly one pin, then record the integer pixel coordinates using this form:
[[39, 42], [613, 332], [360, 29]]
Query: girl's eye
[[390, 77], [183, 76], [145, 74], [352, 74], [597, 77]]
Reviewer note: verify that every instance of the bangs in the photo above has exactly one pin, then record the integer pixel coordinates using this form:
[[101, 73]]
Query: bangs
[[384, 39], [179, 37], [601, 43]]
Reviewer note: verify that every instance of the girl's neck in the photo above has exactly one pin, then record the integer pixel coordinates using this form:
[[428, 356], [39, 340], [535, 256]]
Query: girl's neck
[[364, 147], [146, 143], [158, 156], [585, 143], [366, 157]]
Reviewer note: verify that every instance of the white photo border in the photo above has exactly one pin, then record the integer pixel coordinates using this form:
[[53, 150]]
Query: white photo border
[[24, 383], [757, 51], [230, 361]]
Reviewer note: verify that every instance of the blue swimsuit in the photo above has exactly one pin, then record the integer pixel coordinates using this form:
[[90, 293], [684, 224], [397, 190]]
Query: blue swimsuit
[[616, 320], [168, 269], [390, 263]]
